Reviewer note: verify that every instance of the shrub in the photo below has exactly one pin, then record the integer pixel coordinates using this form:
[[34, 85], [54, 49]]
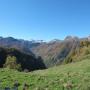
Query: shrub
[[11, 63]]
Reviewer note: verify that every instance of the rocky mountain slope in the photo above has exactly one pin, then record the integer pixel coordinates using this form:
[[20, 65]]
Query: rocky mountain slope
[[53, 52]]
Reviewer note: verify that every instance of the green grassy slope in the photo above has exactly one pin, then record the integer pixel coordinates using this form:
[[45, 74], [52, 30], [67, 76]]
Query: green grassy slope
[[74, 76]]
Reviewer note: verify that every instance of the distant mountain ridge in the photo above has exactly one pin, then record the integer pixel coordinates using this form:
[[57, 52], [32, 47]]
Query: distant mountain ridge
[[20, 44], [53, 52]]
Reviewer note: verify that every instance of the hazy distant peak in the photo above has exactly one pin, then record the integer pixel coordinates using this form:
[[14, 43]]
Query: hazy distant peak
[[89, 38], [1, 37], [55, 40], [9, 37], [71, 38]]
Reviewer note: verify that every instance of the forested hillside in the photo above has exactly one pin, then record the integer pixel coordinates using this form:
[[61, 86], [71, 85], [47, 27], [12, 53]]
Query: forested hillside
[[12, 57]]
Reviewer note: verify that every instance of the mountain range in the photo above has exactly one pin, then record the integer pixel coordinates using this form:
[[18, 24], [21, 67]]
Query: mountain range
[[54, 52]]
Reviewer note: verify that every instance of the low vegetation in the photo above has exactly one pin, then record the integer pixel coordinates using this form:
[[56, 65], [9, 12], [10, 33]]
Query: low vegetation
[[74, 76]]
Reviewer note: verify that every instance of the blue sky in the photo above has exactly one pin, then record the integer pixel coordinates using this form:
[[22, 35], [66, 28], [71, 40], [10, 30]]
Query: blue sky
[[44, 19]]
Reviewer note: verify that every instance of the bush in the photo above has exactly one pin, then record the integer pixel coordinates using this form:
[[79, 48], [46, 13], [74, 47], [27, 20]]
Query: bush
[[11, 63]]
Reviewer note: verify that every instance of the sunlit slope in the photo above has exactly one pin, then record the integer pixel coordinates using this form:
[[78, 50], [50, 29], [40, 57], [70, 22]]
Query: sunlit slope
[[74, 76]]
